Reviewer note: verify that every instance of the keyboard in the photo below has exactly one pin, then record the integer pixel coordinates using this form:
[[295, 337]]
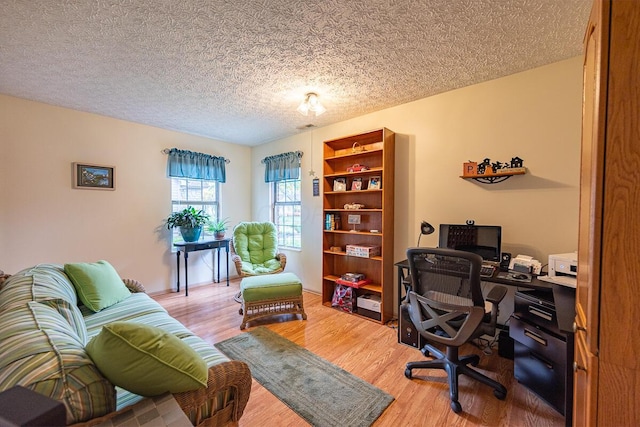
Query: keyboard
[[487, 270]]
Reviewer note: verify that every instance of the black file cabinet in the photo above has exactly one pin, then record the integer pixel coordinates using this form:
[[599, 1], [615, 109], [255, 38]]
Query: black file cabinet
[[542, 352]]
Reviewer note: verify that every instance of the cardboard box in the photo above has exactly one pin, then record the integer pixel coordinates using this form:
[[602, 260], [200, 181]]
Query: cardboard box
[[363, 251], [369, 302]]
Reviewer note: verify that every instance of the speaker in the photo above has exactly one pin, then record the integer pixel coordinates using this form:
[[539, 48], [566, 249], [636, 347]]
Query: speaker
[[408, 333], [504, 261]]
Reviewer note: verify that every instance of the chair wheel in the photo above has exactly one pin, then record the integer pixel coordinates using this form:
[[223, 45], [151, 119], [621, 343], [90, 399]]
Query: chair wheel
[[499, 394], [456, 406], [425, 351], [407, 373]]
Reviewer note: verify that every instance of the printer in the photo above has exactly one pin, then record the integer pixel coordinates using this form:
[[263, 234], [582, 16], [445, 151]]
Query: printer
[[563, 269]]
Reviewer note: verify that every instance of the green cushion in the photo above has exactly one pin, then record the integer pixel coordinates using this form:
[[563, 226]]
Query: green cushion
[[146, 360], [268, 267], [270, 286], [98, 284], [256, 242]]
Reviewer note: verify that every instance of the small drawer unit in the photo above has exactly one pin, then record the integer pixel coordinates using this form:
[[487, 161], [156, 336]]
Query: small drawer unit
[[538, 308], [542, 352], [540, 362]]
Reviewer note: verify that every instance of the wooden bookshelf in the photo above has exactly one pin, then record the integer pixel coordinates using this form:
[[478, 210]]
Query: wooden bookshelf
[[375, 150]]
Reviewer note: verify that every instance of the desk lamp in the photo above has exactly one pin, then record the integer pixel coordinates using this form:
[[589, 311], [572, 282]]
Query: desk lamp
[[425, 228]]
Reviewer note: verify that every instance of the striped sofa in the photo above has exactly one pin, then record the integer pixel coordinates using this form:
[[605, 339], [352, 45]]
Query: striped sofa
[[43, 333]]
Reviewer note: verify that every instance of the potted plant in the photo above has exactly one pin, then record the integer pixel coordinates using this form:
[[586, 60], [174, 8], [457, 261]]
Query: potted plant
[[217, 227], [189, 221]]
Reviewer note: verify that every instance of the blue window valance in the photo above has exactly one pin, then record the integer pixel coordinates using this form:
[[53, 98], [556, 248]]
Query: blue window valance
[[189, 164], [282, 166]]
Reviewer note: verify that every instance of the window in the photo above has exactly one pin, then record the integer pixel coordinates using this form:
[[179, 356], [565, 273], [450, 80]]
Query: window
[[287, 212], [199, 193]]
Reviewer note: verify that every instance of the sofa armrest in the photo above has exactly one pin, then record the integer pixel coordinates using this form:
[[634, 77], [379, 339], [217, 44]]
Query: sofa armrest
[[134, 286], [3, 278], [232, 378]]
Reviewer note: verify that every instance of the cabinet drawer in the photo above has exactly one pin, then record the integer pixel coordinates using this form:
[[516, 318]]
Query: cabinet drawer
[[539, 340], [537, 308], [543, 376]]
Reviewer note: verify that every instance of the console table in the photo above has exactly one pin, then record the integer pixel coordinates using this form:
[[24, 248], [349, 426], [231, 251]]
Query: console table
[[187, 247]]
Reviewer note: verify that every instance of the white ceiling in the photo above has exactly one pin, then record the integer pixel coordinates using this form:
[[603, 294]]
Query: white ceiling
[[236, 70]]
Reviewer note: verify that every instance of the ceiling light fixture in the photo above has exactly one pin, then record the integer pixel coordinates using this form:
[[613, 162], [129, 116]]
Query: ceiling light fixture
[[311, 105]]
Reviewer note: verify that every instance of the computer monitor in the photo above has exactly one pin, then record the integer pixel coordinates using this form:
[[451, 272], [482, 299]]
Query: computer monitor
[[484, 240]]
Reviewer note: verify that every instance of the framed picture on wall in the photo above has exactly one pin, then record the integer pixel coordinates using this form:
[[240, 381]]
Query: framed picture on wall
[[93, 177]]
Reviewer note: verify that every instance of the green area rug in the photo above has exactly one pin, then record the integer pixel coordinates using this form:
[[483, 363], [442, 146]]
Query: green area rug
[[320, 392]]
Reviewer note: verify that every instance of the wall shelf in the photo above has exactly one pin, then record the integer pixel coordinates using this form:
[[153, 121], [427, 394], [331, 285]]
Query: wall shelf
[[495, 177]]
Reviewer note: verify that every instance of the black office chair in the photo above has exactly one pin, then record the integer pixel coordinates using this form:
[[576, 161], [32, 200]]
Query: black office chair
[[447, 307]]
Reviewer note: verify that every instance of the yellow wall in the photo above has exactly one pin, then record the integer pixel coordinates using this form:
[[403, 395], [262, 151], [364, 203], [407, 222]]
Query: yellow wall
[[43, 219], [534, 115]]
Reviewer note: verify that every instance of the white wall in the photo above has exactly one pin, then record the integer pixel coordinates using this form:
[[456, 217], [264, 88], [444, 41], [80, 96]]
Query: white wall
[[535, 115], [43, 219]]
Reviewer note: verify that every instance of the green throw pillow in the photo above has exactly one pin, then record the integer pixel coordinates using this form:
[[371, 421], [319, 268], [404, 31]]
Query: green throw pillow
[[98, 284], [146, 360]]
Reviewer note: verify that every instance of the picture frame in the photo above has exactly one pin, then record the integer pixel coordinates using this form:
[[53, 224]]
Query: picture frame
[[340, 184], [353, 219], [375, 183], [356, 184], [93, 177]]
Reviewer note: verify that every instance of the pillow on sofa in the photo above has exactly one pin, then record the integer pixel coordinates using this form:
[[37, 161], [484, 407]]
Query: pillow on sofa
[[146, 360], [98, 284]]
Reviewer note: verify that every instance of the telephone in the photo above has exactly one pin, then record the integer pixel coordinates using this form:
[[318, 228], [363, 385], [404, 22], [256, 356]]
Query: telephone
[[525, 264]]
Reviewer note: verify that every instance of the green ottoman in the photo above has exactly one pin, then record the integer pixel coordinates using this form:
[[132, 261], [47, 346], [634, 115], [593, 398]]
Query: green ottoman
[[271, 294]]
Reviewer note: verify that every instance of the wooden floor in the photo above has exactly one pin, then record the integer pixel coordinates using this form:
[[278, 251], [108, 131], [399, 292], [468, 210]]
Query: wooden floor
[[370, 351]]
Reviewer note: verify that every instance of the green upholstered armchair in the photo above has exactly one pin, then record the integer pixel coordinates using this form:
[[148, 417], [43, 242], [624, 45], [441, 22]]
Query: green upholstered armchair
[[254, 249]]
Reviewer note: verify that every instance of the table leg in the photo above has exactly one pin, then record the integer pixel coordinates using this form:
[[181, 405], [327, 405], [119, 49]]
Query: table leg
[[218, 254], [227, 248], [186, 274], [178, 271], [401, 286]]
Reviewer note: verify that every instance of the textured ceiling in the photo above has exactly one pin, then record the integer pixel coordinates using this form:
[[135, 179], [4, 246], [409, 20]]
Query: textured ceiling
[[237, 70]]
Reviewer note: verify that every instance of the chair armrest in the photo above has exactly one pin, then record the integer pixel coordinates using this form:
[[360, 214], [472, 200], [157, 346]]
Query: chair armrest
[[134, 286], [237, 261], [496, 294], [233, 377], [282, 258]]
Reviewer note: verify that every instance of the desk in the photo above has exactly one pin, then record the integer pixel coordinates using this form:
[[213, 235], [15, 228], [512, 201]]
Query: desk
[[187, 247], [403, 270], [536, 377]]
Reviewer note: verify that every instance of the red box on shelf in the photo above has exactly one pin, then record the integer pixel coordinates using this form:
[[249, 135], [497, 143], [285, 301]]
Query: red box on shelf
[[356, 285]]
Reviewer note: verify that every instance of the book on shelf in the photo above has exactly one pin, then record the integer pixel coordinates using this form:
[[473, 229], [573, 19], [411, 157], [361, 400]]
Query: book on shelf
[[332, 222]]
